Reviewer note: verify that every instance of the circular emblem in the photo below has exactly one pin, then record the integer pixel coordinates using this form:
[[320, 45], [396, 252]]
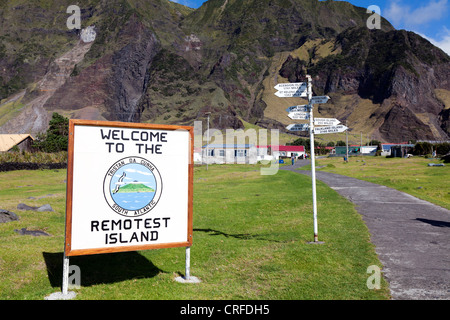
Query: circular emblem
[[132, 186]]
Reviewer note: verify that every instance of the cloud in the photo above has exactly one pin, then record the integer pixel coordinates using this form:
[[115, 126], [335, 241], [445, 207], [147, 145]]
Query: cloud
[[402, 15], [137, 171], [444, 43]]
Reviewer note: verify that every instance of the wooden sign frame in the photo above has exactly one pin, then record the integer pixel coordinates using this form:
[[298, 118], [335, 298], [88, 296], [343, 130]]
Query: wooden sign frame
[[72, 177]]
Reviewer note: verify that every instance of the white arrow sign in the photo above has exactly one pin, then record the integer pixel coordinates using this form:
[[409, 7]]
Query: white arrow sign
[[291, 86], [298, 115], [331, 129], [299, 108], [298, 127], [300, 93], [319, 99], [326, 121]]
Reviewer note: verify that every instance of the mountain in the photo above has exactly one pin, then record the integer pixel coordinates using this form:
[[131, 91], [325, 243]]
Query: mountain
[[138, 187], [161, 62]]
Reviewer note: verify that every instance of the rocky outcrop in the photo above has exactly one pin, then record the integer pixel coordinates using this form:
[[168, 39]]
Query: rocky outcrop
[[7, 216], [129, 72]]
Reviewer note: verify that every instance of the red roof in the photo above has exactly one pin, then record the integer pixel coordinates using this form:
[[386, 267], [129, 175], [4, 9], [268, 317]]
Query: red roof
[[286, 148]]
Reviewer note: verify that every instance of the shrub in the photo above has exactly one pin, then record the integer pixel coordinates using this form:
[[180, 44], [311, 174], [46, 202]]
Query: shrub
[[56, 138]]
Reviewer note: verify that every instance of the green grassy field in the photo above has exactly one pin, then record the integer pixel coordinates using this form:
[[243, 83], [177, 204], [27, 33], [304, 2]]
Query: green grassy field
[[251, 235], [410, 175]]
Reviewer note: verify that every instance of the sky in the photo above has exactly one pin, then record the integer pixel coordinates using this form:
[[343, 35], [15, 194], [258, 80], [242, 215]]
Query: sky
[[429, 18]]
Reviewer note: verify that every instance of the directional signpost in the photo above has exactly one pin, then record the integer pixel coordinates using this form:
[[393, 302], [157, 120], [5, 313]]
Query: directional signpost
[[330, 129], [298, 127], [292, 86], [305, 112], [326, 122], [319, 99], [299, 108], [297, 115], [291, 94], [291, 90]]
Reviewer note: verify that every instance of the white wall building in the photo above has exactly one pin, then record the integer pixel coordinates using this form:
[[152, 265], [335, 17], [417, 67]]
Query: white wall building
[[229, 153]]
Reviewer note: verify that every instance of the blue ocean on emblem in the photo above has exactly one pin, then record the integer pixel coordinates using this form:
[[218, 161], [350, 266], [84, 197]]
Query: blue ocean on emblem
[[133, 186], [133, 201]]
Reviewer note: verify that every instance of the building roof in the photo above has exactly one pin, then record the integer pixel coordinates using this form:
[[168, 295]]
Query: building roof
[[228, 146], [7, 141], [326, 148], [290, 148], [387, 146], [285, 148]]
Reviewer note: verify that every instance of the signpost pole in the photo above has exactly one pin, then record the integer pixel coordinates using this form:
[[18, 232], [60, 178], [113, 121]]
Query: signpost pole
[[313, 164], [207, 142], [346, 142]]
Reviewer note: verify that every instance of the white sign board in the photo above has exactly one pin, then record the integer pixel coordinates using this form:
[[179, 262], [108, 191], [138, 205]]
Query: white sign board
[[326, 121], [298, 115], [129, 187], [319, 99], [291, 86], [298, 127], [299, 108], [331, 129], [291, 93]]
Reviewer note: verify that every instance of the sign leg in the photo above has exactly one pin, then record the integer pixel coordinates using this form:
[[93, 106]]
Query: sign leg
[[187, 277], [188, 264], [65, 294], [65, 280]]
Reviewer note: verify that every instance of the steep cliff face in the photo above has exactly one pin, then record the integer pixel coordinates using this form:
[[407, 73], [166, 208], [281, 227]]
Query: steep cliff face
[[104, 79], [114, 83]]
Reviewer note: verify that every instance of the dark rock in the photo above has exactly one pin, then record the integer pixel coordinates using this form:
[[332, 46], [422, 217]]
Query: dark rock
[[23, 206], [45, 207], [7, 216], [34, 233]]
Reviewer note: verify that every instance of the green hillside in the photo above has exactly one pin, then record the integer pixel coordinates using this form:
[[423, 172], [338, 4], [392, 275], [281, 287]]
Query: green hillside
[[129, 188]]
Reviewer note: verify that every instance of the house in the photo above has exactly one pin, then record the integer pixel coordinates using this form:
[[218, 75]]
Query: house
[[9, 141], [288, 151], [402, 150], [387, 148], [229, 153], [354, 150], [275, 152]]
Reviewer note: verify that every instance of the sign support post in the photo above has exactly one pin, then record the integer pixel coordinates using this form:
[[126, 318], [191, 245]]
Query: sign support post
[[65, 284], [188, 264], [65, 280], [313, 163]]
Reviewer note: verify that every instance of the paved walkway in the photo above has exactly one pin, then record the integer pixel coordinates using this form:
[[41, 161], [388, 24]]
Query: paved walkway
[[412, 236]]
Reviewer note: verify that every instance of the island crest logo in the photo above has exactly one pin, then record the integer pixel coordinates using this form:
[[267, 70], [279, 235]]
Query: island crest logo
[[132, 186]]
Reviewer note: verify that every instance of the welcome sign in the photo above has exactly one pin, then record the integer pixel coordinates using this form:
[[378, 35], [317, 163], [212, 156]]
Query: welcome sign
[[129, 187]]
